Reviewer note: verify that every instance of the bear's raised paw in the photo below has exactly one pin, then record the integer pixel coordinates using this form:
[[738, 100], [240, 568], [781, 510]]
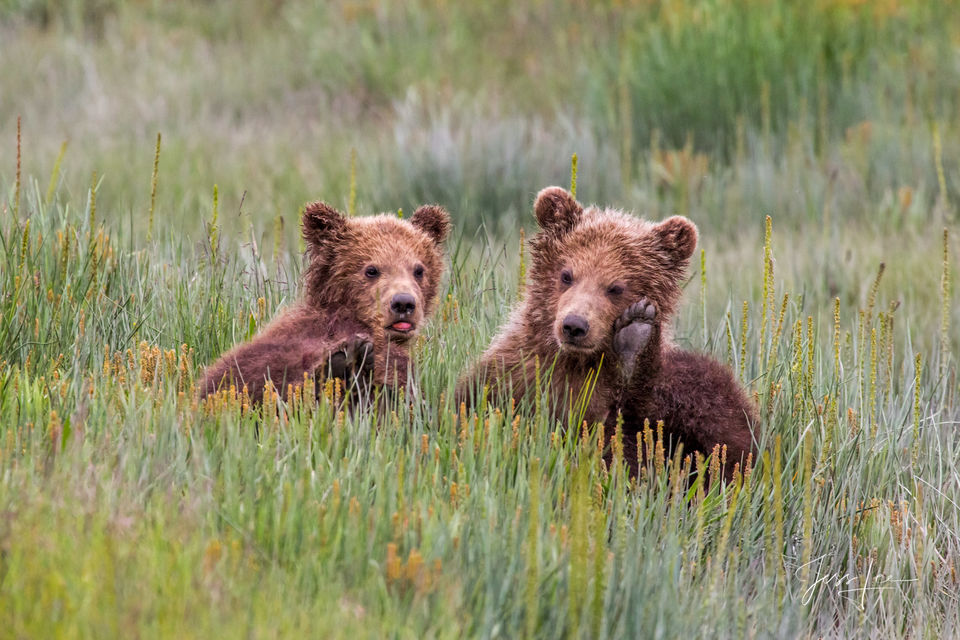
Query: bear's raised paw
[[354, 356], [632, 333]]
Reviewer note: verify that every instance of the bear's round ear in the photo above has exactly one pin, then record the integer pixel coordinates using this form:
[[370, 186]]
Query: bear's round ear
[[557, 210], [321, 222], [677, 236], [433, 220]]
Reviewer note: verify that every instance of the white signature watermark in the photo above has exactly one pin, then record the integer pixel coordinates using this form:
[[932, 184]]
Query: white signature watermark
[[852, 587]]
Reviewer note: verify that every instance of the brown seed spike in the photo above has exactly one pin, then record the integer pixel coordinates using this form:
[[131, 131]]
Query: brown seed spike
[[16, 193]]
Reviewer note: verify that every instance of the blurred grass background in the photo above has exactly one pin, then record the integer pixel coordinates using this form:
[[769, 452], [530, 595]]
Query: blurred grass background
[[124, 508], [690, 106]]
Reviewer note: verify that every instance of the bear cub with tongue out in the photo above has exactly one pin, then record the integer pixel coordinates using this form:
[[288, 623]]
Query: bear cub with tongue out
[[369, 285], [602, 289]]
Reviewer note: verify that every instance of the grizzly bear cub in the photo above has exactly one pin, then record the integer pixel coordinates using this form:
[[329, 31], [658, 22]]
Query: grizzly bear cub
[[602, 289], [369, 285]]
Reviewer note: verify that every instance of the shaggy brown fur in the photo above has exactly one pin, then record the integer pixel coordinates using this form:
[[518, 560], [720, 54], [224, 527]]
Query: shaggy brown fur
[[369, 285], [602, 289]]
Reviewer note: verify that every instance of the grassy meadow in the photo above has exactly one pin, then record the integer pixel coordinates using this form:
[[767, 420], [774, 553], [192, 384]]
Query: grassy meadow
[[154, 157]]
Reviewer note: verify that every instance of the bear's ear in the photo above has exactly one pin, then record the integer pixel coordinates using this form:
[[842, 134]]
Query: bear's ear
[[433, 220], [321, 222], [557, 210], [677, 236]]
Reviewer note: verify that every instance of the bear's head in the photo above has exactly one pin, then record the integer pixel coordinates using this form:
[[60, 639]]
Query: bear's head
[[589, 265], [383, 269]]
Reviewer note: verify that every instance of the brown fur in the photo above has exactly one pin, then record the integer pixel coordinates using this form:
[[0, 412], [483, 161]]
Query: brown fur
[[343, 303], [613, 260]]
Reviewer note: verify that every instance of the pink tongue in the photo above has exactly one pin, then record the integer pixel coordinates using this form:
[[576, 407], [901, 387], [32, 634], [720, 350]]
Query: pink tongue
[[402, 326]]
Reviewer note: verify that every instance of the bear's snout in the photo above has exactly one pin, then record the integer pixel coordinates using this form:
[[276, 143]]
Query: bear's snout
[[575, 328], [402, 314], [403, 303]]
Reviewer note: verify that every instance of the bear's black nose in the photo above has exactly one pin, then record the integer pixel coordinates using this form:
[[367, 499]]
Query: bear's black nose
[[403, 303], [575, 327]]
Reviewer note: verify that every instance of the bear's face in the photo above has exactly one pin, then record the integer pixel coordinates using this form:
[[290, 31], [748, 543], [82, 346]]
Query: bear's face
[[385, 270], [589, 265]]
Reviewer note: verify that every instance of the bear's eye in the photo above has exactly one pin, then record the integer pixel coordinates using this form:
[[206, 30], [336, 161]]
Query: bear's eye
[[566, 277], [615, 290], [418, 272], [371, 272]]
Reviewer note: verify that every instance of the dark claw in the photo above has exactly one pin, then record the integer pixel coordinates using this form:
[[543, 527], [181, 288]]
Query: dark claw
[[650, 313], [337, 365]]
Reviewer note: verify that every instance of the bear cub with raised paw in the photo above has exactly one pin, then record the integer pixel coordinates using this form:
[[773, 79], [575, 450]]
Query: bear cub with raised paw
[[369, 286], [602, 289]]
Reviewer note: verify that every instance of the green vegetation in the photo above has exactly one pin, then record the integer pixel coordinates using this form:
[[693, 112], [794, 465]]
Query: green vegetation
[[127, 509]]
